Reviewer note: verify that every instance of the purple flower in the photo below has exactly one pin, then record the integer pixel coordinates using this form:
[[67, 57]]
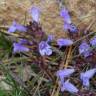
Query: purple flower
[[15, 26], [84, 49], [86, 76], [17, 47], [50, 38], [93, 41], [64, 42], [67, 86], [65, 14], [12, 28], [71, 27], [20, 27], [24, 41], [35, 13], [44, 48], [64, 73], [68, 25]]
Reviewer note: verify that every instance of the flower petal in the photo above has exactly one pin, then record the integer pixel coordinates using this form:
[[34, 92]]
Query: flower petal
[[42, 52], [85, 81], [19, 48], [20, 27], [86, 76], [15, 26], [35, 13], [50, 38], [89, 74], [84, 49], [45, 48], [66, 26], [65, 14], [12, 28], [24, 41], [43, 45], [69, 87], [48, 52], [93, 41], [64, 42], [73, 28], [64, 73]]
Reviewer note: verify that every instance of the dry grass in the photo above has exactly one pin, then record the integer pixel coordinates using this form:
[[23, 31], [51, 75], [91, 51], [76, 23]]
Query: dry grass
[[81, 11]]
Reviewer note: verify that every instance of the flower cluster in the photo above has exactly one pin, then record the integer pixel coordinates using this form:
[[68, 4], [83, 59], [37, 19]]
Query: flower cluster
[[67, 86], [43, 46], [85, 48], [20, 46], [68, 25], [93, 41]]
